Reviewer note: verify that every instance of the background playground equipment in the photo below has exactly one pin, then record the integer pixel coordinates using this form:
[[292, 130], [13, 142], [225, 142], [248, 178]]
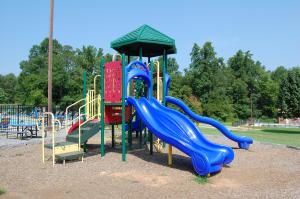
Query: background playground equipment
[[126, 94]]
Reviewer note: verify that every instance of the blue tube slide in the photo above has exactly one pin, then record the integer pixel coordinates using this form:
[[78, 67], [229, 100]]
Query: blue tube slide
[[176, 129], [243, 141]]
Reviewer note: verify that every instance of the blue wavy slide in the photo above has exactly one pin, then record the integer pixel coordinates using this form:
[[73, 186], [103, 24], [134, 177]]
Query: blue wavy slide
[[136, 125], [243, 141], [176, 129]]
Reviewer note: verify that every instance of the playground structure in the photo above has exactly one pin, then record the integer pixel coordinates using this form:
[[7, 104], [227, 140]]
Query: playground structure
[[126, 98]]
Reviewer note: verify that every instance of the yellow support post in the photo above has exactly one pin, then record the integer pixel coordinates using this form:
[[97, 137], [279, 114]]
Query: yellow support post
[[79, 129], [98, 106], [157, 80], [170, 155]]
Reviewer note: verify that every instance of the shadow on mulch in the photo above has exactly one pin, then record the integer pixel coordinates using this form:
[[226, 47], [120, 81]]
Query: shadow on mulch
[[179, 162]]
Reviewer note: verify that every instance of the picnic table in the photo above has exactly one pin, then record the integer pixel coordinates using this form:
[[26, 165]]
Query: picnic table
[[22, 128], [25, 128]]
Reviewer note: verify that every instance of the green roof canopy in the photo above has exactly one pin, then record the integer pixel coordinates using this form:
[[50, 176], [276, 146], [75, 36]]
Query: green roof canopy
[[152, 42]]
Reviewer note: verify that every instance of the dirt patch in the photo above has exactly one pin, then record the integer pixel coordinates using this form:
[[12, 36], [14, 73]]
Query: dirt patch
[[146, 179], [266, 171]]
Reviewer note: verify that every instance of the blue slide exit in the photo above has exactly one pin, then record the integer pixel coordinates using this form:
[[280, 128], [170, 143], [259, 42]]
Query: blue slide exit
[[176, 129], [243, 141]]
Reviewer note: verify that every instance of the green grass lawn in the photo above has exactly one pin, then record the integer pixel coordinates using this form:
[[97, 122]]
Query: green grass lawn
[[287, 136]]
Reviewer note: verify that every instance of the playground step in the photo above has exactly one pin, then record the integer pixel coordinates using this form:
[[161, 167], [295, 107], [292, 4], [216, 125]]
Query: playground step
[[85, 129], [66, 149], [70, 155], [59, 144], [94, 122], [63, 147]]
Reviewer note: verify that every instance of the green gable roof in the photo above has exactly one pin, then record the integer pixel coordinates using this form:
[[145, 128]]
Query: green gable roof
[[150, 40]]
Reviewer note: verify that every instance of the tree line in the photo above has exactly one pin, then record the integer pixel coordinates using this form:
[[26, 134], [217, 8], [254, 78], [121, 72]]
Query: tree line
[[240, 88]]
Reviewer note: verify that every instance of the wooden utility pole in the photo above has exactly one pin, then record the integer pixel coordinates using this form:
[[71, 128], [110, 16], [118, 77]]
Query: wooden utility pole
[[50, 48]]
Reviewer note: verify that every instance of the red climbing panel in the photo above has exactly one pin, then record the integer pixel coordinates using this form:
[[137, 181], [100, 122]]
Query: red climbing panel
[[113, 92], [113, 82]]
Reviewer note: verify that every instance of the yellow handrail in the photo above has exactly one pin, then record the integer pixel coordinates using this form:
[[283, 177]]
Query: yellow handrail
[[157, 80], [67, 113], [157, 144]]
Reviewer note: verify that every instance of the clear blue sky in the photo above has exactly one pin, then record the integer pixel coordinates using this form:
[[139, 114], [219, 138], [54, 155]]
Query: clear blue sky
[[269, 29]]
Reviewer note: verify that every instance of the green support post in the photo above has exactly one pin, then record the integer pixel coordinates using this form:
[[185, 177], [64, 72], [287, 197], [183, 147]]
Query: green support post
[[112, 136], [130, 114], [141, 54], [123, 108], [145, 136], [102, 108], [130, 130], [141, 136], [85, 146]]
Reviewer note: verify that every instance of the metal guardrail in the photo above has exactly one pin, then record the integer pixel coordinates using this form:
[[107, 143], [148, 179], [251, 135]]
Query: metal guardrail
[[276, 125], [19, 118], [258, 123]]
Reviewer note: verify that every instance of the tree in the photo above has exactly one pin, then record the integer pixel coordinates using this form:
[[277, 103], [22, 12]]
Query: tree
[[68, 65], [266, 94], [3, 96], [238, 89], [279, 73], [172, 66], [289, 94], [8, 85], [252, 88], [207, 77], [293, 88]]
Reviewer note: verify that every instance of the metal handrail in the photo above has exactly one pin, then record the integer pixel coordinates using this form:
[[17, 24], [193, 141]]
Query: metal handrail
[[67, 113], [59, 124], [114, 55], [88, 119], [53, 137]]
